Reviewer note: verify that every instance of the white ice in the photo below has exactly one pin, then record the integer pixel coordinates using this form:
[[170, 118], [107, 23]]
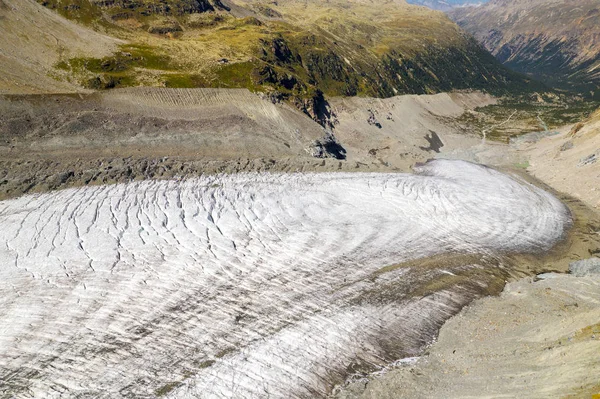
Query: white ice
[[235, 286]]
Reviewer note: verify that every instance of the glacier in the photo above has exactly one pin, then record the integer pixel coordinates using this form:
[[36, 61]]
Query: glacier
[[247, 285]]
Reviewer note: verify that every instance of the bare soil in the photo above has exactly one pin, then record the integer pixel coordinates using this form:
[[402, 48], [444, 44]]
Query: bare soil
[[56, 141]]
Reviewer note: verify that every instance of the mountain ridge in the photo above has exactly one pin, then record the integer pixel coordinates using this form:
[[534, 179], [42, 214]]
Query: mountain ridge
[[290, 50], [557, 42]]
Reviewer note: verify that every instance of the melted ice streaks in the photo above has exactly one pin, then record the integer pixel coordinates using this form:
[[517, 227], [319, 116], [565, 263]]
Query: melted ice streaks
[[244, 285]]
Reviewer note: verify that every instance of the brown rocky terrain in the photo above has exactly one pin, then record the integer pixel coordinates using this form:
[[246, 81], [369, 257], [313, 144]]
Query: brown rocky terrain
[[538, 339], [570, 160], [556, 41]]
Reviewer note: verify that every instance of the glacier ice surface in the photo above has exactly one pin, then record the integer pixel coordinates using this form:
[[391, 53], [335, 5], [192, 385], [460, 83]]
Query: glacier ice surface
[[243, 285]]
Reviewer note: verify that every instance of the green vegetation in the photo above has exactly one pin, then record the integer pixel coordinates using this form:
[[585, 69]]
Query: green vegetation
[[238, 75], [131, 56], [118, 70], [522, 165], [516, 116], [80, 10], [297, 53]]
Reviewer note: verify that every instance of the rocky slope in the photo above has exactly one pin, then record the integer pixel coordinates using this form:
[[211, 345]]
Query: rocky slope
[[34, 39], [575, 151], [57, 141], [538, 339], [556, 41], [291, 50]]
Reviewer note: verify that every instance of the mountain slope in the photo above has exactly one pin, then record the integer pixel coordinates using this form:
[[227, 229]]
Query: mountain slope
[[557, 41], [291, 49], [445, 5], [33, 39], [573, 152]]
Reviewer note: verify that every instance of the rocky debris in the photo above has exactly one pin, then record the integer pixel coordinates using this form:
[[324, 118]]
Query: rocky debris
[[328, 147], [586, 267], [532, 137], [372, 120], [275, 97], [570, 163], [537, 340], [107, 137], [589, 160], [318, 108], [374, 151], [567, 146], [101, 82], [26, 177]]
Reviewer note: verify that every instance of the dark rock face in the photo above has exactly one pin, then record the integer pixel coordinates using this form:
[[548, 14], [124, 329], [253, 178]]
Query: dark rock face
[[328, 147]]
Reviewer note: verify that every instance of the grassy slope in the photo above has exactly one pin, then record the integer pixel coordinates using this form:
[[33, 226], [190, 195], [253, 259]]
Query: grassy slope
[[33, 39], [294, 50], [513, 117]]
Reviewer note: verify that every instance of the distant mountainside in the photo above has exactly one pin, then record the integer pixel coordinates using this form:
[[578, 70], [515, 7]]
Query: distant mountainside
[[557, 41], [446, 5], [292, 50]]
